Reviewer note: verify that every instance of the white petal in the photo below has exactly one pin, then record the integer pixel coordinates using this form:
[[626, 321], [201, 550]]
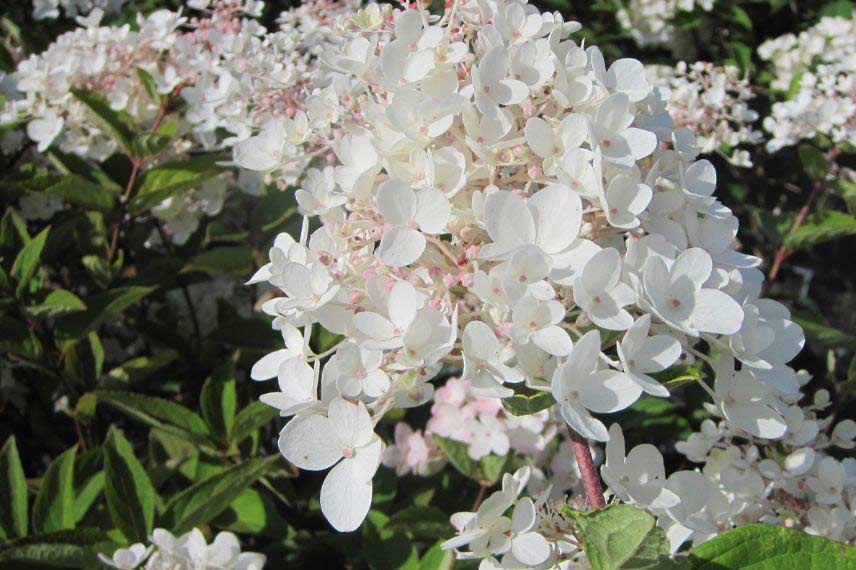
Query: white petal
[[583, 423], [531, 549], [432, 211], [396, 202], [554, 340], [716, 312], [351, 422], [311, 443], [346, 497]]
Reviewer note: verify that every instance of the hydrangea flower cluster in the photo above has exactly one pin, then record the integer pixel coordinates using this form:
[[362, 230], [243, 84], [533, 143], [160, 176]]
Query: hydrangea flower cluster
[[50, 9], [713, 102], [791, 481], [817, 69], [490, 195], [230, 75], [189, 551], [649, 22]]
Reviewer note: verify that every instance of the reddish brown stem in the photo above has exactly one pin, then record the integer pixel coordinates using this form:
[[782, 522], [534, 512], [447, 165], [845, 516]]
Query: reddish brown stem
[[591, 482], [782, 253]]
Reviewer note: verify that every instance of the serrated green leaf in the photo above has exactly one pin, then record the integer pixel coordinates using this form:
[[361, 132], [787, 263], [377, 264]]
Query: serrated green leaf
[[823, 334], [218, 401], [127, 488], [118, 124], [54, 506], [13, 491], [205, 500], [740, 16], [837, 8], [770, 547], [27, 261], [88, 481], [79, 191], [138, 369], [821, 227], [614, 534], [813, 161]]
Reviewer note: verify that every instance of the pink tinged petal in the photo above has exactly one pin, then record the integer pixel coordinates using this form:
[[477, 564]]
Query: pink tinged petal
[[716, 312], [376, 384], [367, 458], [401, 246], [583, 423], [351, 422], [613, 115], [346, 496], [311, 443]]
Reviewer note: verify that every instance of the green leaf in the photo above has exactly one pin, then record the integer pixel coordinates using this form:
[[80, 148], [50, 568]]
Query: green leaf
[[823, 334], [821, 227], [202, 502], [230, 260], [385, 546], [435, 558], [614, 534], [740, 16], [486, 471], [323, 340], [423, 522], [841, 8], [251, 419], [149, 144], [127, 488], [63, 549], [58, 302], [138, 369], [54, 506], [770, 547], [172, 178], [27, 261], [88, 481], [253, 513], [13, 491], [81, 192], [219, 401], [157, 412], [524, 403], [118, 124], [100, 308], [814, 162], [149, 85]]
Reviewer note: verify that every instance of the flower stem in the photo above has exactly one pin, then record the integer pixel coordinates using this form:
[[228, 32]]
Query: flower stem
[[591, 482]]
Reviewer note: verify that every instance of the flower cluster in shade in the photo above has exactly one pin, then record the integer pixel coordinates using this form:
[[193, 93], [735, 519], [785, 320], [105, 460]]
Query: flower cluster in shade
[[486, 193], [713, 102], [816, 71], [189, 551], [228, 73], [651, 22]]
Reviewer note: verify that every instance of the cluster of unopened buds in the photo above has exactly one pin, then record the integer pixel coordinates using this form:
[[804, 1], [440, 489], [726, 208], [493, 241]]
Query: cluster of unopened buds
[[491, 196]]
